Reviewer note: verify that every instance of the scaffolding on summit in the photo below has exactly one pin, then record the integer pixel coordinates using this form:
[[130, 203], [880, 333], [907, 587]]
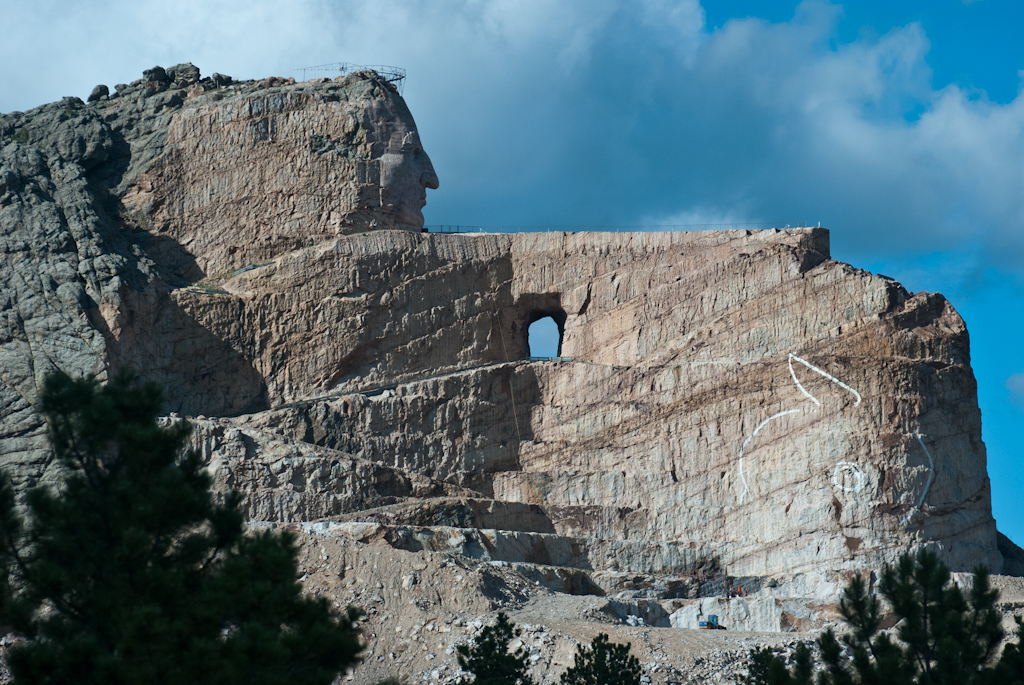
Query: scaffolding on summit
[[393, 75]]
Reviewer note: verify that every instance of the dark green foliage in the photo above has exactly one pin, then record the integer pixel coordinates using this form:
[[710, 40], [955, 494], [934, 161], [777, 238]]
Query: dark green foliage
[[132, 573], [489, 659], [945, 637], [1010, 667], [767, 669], [603, 663]]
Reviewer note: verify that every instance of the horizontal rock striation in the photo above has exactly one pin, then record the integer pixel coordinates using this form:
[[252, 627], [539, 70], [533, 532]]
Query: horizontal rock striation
[[93, 200], [726, 405], [736, 393]]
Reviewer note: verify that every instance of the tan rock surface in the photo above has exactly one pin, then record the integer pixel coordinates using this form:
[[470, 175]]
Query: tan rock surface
[[420, 607], [93, 201], [249, 174], [734, 393], [731, 409]]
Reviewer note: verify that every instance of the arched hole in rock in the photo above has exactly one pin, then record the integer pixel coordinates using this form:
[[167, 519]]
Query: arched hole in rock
[[544, 336]]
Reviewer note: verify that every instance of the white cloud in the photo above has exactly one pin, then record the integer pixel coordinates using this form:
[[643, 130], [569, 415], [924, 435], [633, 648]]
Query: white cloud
[[1015, 384], [607, 111], [703, 218]]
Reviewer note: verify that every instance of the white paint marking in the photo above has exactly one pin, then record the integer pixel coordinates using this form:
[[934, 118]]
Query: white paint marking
[[751, 437], [843, 466], [827, 375], [799, 384], [928, 483], [852, 469]]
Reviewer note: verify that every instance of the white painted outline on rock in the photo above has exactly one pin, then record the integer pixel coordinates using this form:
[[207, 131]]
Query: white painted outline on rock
[[842, 465], [928, 483], [751, 437], [826, 374], [849, 467]]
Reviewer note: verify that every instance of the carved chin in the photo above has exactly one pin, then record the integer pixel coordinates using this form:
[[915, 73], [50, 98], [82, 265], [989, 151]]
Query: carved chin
[[409, 216]]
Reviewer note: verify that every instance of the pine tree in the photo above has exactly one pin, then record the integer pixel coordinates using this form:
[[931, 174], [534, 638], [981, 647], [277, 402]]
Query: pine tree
[[603, 663], [768, 669], [1010, 667], [489, 660], [131, 572], [944, 635]]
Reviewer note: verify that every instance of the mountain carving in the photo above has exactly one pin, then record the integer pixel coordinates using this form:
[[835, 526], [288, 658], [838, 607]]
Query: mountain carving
[[727, 406]]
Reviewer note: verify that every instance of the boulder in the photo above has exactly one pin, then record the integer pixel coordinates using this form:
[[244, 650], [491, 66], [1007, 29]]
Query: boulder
[[155, 75], [183, 75], [98, 93], [277, 81]]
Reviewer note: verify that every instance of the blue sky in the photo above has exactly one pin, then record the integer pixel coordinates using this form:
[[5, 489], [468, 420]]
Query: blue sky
[[898, 125]]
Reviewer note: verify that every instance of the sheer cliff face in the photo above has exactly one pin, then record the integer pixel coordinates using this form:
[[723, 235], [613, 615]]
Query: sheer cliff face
[[732, 397], [737, 394], [106, 208]]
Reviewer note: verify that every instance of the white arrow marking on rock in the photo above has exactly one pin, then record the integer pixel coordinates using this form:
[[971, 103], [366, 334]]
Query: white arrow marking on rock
[[827, 375]]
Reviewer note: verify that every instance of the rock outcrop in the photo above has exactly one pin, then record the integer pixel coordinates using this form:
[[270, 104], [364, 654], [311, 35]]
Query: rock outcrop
[[730, 409], [95, 251], [734, 396]]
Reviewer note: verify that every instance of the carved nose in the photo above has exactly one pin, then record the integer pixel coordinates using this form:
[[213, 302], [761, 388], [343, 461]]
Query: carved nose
[[428, 178]]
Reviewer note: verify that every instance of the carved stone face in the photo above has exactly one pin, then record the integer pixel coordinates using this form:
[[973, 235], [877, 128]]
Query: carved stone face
[[406, 173], [247, 178]]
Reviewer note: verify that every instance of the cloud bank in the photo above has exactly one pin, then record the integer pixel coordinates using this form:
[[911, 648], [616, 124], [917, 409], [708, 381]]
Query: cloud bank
[[603, 112]]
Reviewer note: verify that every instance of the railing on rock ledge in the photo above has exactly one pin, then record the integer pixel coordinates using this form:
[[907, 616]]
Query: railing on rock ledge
[[393, 75], [452, 228]]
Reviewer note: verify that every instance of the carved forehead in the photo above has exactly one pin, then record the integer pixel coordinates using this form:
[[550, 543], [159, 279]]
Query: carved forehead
[[388, 121], [402, 133]]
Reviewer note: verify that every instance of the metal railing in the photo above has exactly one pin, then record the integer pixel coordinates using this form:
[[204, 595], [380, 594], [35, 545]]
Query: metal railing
[[394, 75], [453, 228]]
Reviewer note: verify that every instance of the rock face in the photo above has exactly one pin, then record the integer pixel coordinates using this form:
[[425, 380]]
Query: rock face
[[730, 396], [247, 178], [731, 407], [94, 253]]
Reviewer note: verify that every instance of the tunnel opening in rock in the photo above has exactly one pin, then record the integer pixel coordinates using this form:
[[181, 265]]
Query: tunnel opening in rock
[[544, 334]]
